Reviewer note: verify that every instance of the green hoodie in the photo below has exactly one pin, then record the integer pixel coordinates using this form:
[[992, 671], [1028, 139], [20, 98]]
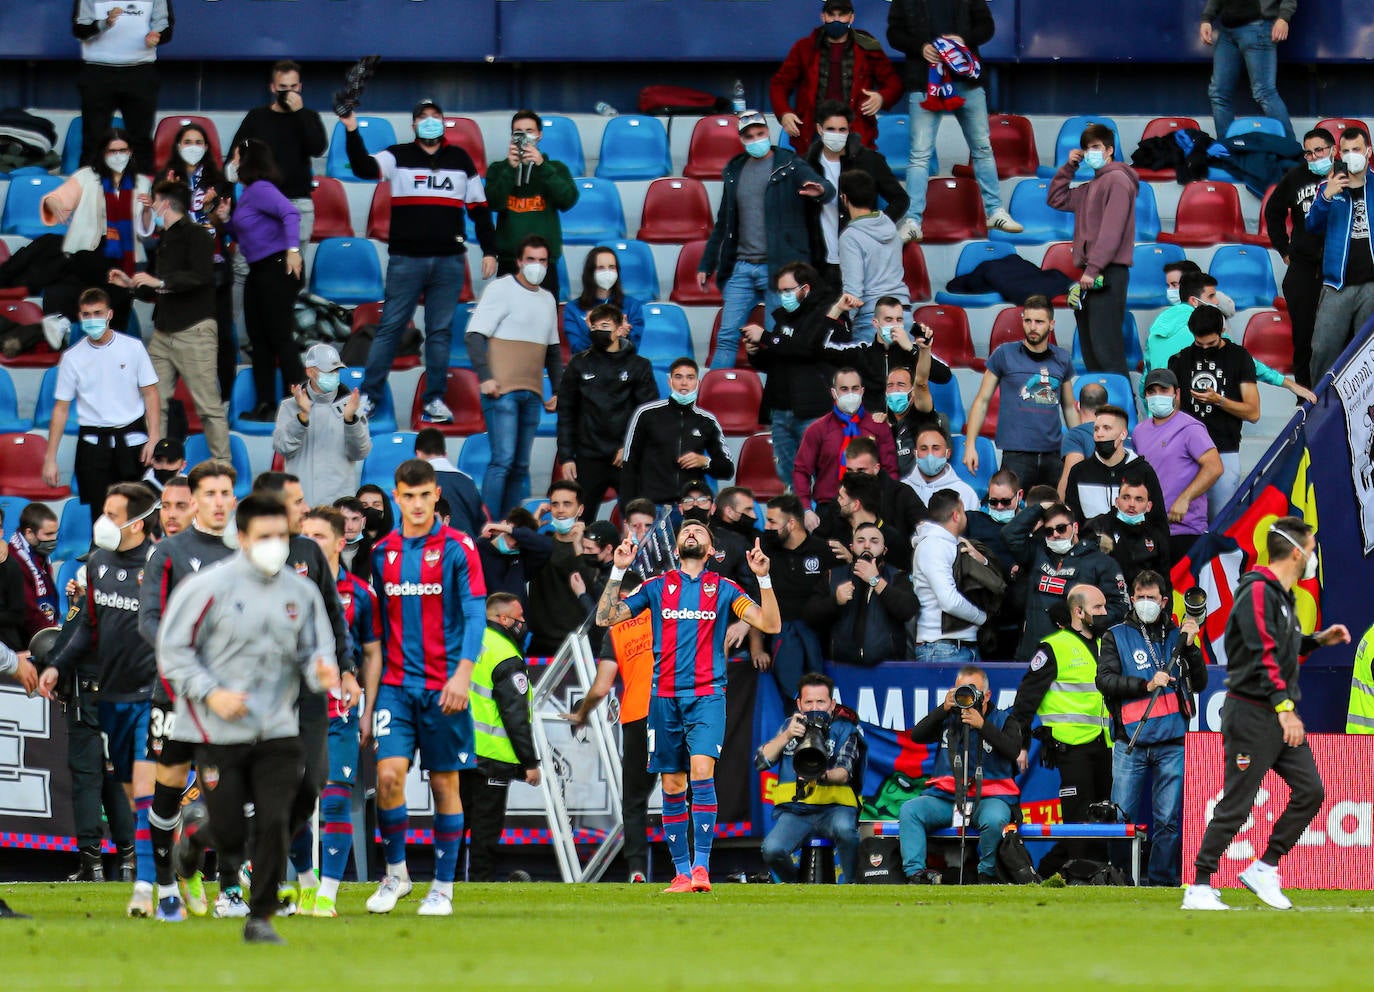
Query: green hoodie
[[1169, 335], [529, 208]]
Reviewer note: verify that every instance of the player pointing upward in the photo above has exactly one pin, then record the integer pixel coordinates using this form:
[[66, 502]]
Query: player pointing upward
[[690, 608]]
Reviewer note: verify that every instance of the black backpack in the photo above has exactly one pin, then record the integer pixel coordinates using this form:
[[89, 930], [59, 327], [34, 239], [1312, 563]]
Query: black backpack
[[1082, 871], [1014, 865]]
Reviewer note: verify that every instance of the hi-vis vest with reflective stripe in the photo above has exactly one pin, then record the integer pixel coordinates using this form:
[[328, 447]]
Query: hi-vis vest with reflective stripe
[[1361, 717], [493, 742], [1073, 709]]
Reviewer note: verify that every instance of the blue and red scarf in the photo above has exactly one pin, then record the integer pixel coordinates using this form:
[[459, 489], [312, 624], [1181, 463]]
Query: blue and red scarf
[[955, 60], [119, 221], [851, 423]]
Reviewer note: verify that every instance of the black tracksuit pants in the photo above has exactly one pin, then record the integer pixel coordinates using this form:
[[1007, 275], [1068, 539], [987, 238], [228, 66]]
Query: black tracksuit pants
[[595, 476], [1085, 777], [92, 788], [484, 812], [1100, 320], [1302, 289], [269, 307], [636, 787]]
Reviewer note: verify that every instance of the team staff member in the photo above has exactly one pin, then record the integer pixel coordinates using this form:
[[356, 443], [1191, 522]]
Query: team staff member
[[234, 646], [1260, 727], [1360, 719]]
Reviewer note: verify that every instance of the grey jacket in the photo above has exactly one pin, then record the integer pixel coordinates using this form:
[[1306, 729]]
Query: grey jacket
[[871, 259], [321, 454], [231, 627], [1270, 10]]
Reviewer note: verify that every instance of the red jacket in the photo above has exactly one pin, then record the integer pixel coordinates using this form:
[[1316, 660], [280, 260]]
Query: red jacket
[[799, 77], [816, 471]]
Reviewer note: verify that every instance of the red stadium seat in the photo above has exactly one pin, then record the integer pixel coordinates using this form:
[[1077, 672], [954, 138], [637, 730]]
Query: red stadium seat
[[1208, 214], [463, 397], [953, 339], [1013, 146], [332, 219], [954, 211], [379, 214], [40, 356], [1269, 339], [1262, 237], [756, 470], [685, 291], [464, 132], [21, 468], [715, 141], [166, 135], [1335, 125], [278, 462], [756, 316], [733, 396], [914, 272], [371, 313], [1007, 328], [1059, 257], [676, 211], [1158, 128]]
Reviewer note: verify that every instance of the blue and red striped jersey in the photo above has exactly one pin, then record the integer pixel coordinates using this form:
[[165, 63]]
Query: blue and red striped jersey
[[690, 617], [433, 605], [363, 619]]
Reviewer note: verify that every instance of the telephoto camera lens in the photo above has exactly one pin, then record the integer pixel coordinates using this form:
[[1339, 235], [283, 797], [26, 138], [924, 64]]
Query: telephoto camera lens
[[813, 753], [967, 696]]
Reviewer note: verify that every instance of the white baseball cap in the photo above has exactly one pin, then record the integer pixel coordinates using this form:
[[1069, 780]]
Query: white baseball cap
[[323, 357]]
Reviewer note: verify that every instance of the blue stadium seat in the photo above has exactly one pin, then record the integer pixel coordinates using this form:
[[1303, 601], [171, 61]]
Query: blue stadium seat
[[198, 451], [347, 271], [73, 531], [1119, 392], [11, 507], [950, 403], [564, 286], [634, 147], [1070, 132], [474, 457], [1042, 222], [562, 143], [64, 575], [667, 334], [970, 257], [638, 273], [377, 134], [1245, 125], [20, 215], [1245, 274], [71, 145], [1148, 289], [596, 216], [1146, 214], [987, 462], [243, 399], [388, 451], [894, 144], [383, 419], [10, 421], [42, 408], [548, 422]]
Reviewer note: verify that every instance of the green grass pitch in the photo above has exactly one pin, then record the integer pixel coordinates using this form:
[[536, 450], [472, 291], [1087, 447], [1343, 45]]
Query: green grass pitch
[[739, 937]]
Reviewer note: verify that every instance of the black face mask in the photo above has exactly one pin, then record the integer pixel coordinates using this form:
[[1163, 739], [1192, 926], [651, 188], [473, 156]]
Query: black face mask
[[163, 474], [771, 542], [870, 556], [516, 631], [698, 513], [1105, 449], [601, 340], [373, 519], [592, 561]]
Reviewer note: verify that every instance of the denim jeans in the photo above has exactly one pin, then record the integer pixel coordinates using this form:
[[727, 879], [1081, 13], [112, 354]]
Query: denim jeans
[[788, 429], [1250, 46], [973, 121], [748, 285], [1128, 784], [512, 420], [839, 824], [935, 812], [439, 279], [948, 652], [1224, 488]]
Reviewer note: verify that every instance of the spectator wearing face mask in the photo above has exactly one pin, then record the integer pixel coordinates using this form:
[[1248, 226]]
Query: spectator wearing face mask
[[821, 459], [169, 461], [1078, 443], [867, 603], [320, 431], [601, 286], [357, 551], [899, 506], [1134, 531], [670, 442], [1093, 482], [378, 519], [798, 565], [933, 472], [31, 544], [512, 551], [554, 606], [939, 541], [986, 526]]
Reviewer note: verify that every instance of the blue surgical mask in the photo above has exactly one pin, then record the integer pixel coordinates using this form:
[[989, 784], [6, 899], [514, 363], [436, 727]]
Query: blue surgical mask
[[328, 382], [1320, 166], [429, 128], [758, 148], [1002, 516], [884, 334], [1172, 295], [686, 399], [789, 301], [932, 465], [1095, 159], [898, 402], [1134, 519], [1159, 405], [94, 327], [159, 221], [503, 545], [563, 526]]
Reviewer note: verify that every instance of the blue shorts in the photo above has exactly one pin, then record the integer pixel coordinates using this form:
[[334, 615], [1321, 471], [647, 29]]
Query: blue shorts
[[343, 747], [125, 729], [408, 719], [681, 726]]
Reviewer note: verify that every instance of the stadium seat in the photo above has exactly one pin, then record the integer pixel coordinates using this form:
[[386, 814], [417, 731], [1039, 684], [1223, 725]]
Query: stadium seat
[[894, 144], [564, 286], [1119, 391], [1261, 237], [987, 462], [40, 356], [21, 468], [634, 147], [371, 313], [1244, 273], [467, 135], [165, 135], [10, 508], [953, 340], [1146, 214], [596, 216], [971, 256], [733, 396], [1041, 221], [463, 397], [914, 272], [954, 211], [1335, 125], [183, 394], [71, 144], [1059, 258], [1158, 128], [1208, 213], [379, 213], [949, 402], [474, 457], [1013, 146], [1147, 288], [756, 316], [377, 134], [457, 343], [332, 219], [20, 215], [715, 141], [243, 400], [675, 211], [73, 531], [562, 143], [64, 576], [388, 451], [548, 419], [43, 406], [756, 470], [1247, 125], [383, 419], [1070, 133], [638, 272], [685, 289], [1269, 339], [667, 334], [347, 271], [10, 421]]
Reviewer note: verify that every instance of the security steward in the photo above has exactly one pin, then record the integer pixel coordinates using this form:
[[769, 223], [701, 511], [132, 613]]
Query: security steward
[[1260, 727], [1075, 729], [505, 744], [1360, 719]]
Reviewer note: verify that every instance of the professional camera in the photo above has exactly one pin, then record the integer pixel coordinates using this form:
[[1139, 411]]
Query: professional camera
[[966, 697], [812, 755]]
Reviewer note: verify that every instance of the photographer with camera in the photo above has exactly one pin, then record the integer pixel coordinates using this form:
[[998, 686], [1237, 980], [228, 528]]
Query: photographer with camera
[[967, 731], [1149, 672], [818, 751]]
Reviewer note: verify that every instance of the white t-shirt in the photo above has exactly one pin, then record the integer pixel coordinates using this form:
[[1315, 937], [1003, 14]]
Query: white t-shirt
[[104, 381], [830, 212], [520, 324], [125, 43]]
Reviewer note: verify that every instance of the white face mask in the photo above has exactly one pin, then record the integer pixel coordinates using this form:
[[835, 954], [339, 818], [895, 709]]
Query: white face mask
[[230, 537], [269, 555], [606, 278], [192, 154], [105, 533], [1060, 546], [1309, 571], [534, 272], [850, 402], [834, 142], [117, 161], [231, 172], [1147, 610], [1355, 161]]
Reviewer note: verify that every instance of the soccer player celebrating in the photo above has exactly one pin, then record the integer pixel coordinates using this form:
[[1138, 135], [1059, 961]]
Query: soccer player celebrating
[[429, 583], [325, 526], [690, 609]]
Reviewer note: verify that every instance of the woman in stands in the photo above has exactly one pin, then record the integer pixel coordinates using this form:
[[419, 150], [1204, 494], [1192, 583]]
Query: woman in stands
[[192, 162], [600, 284], [267, 227]]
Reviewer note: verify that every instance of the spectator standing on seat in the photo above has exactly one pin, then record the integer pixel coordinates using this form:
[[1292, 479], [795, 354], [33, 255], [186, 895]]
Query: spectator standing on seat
[[821, 460], [668, 443], [512, 340], [1093, 483], [1103, 244], [836, 63], [1340, 216], [870, 252], [1078, 442], [1301, 249], [527, 191], [110, 378], [185, 338], [456, 487], [31, 544], [119, 43], [914, 28], [1134, 532], [933, 472], [320, 431], [939, 541], [434, 187], [601, 285], [1246, 33], [765, 221]]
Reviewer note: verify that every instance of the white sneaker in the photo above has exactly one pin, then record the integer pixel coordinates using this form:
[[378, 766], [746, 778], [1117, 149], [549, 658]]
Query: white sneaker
[[437, 412], [385, 898], [1003, 221], [435, 904], [230, 905], [1264, 882], [909, 230], [141, 903], [1202, 897]]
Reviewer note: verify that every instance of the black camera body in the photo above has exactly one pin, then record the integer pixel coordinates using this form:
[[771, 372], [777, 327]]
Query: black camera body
[[812, 755]]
